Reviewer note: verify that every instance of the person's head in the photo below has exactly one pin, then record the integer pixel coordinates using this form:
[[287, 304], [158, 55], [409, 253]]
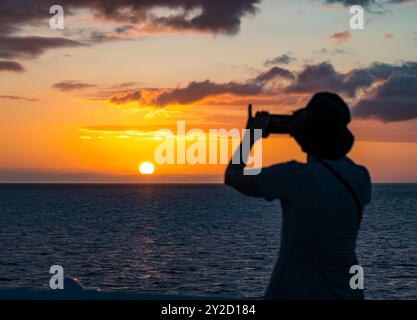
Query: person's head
[[321, 127]]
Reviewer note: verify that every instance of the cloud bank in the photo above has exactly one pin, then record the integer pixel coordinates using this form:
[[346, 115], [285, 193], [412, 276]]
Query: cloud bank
[[387, 92], [213, 16]]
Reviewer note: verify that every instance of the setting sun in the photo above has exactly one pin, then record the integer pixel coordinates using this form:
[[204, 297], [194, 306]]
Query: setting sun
[[146, 168]]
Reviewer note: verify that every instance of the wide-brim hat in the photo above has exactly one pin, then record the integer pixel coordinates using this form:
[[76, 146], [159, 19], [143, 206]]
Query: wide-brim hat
[[321, 127]]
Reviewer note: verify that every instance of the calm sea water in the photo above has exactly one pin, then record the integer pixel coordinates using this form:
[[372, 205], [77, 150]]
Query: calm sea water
[[183, 239]]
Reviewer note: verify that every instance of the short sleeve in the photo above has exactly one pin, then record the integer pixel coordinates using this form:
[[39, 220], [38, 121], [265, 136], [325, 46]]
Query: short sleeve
[[275, 181]]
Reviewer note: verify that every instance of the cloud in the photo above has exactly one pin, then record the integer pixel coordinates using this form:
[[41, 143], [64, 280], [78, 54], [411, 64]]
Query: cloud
[[196, 91], [318, 77], [11, 66], [382, 71], [394, 100], [30, 47], [285, 58], [124, 28], [90, 35], [334, 51], [69, 85], [275, 72], [18, 98], [124, 85], [132, 96], [323, 76], [388, 36], [136, 16], [401, 1], [341, 37], [367, 87], [363, 3], [212, 16], [391, 89]]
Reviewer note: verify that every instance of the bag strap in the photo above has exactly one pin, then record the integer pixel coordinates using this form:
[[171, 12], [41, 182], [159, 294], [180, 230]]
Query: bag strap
[[346, 185]]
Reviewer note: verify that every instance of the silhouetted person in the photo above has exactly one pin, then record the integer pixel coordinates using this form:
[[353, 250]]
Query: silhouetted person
[[322, 202]]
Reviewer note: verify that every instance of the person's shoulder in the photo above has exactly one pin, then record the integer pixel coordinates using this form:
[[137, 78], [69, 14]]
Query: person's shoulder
[[290, 169], [277, 181], [362, 182], [288, 165], [361, 168]]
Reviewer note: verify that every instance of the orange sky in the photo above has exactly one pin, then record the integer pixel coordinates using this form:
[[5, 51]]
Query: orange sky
[[100, 130]]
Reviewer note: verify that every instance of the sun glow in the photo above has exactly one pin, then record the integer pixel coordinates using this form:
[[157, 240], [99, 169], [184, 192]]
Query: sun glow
[[146, 168]]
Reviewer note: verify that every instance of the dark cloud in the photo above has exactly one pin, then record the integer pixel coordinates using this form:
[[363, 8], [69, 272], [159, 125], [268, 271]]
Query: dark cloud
[[314, 78], [384, 70], [393, 88], [124, 28], [30, 47], [210, 16], [214, 16], [11, 66], [356, 79], [388, 91], [363, 3], [72, 85], [275, 72], [196, 91], [394, 100], [323, 76], [126, 97], [401, 1], [92, 35], [285, 58]]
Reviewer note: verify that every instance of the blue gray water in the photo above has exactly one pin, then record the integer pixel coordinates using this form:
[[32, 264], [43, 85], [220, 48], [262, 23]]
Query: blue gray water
[[183, 239]]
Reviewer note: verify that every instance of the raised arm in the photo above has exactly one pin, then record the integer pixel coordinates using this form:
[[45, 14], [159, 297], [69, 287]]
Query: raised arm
[[234, 175]]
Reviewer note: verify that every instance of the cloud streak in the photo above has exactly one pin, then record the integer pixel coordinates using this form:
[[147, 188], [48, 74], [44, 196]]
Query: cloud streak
[[285, 58], [126, 97], [341, 37], [70, 85], [31, 47], [365, 3], [196, 91], [18, 98], [11, 66]]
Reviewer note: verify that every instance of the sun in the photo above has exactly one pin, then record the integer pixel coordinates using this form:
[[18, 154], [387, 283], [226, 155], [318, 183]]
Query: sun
[[146, 168]]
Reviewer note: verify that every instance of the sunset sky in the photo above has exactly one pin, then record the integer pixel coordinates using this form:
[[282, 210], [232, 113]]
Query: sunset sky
[[83, 104]]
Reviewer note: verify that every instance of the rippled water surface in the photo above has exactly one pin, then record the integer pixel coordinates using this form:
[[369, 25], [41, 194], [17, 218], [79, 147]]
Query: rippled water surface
[[183, 239]]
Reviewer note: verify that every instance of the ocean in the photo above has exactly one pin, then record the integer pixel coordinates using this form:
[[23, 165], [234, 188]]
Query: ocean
[[183, 239]]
